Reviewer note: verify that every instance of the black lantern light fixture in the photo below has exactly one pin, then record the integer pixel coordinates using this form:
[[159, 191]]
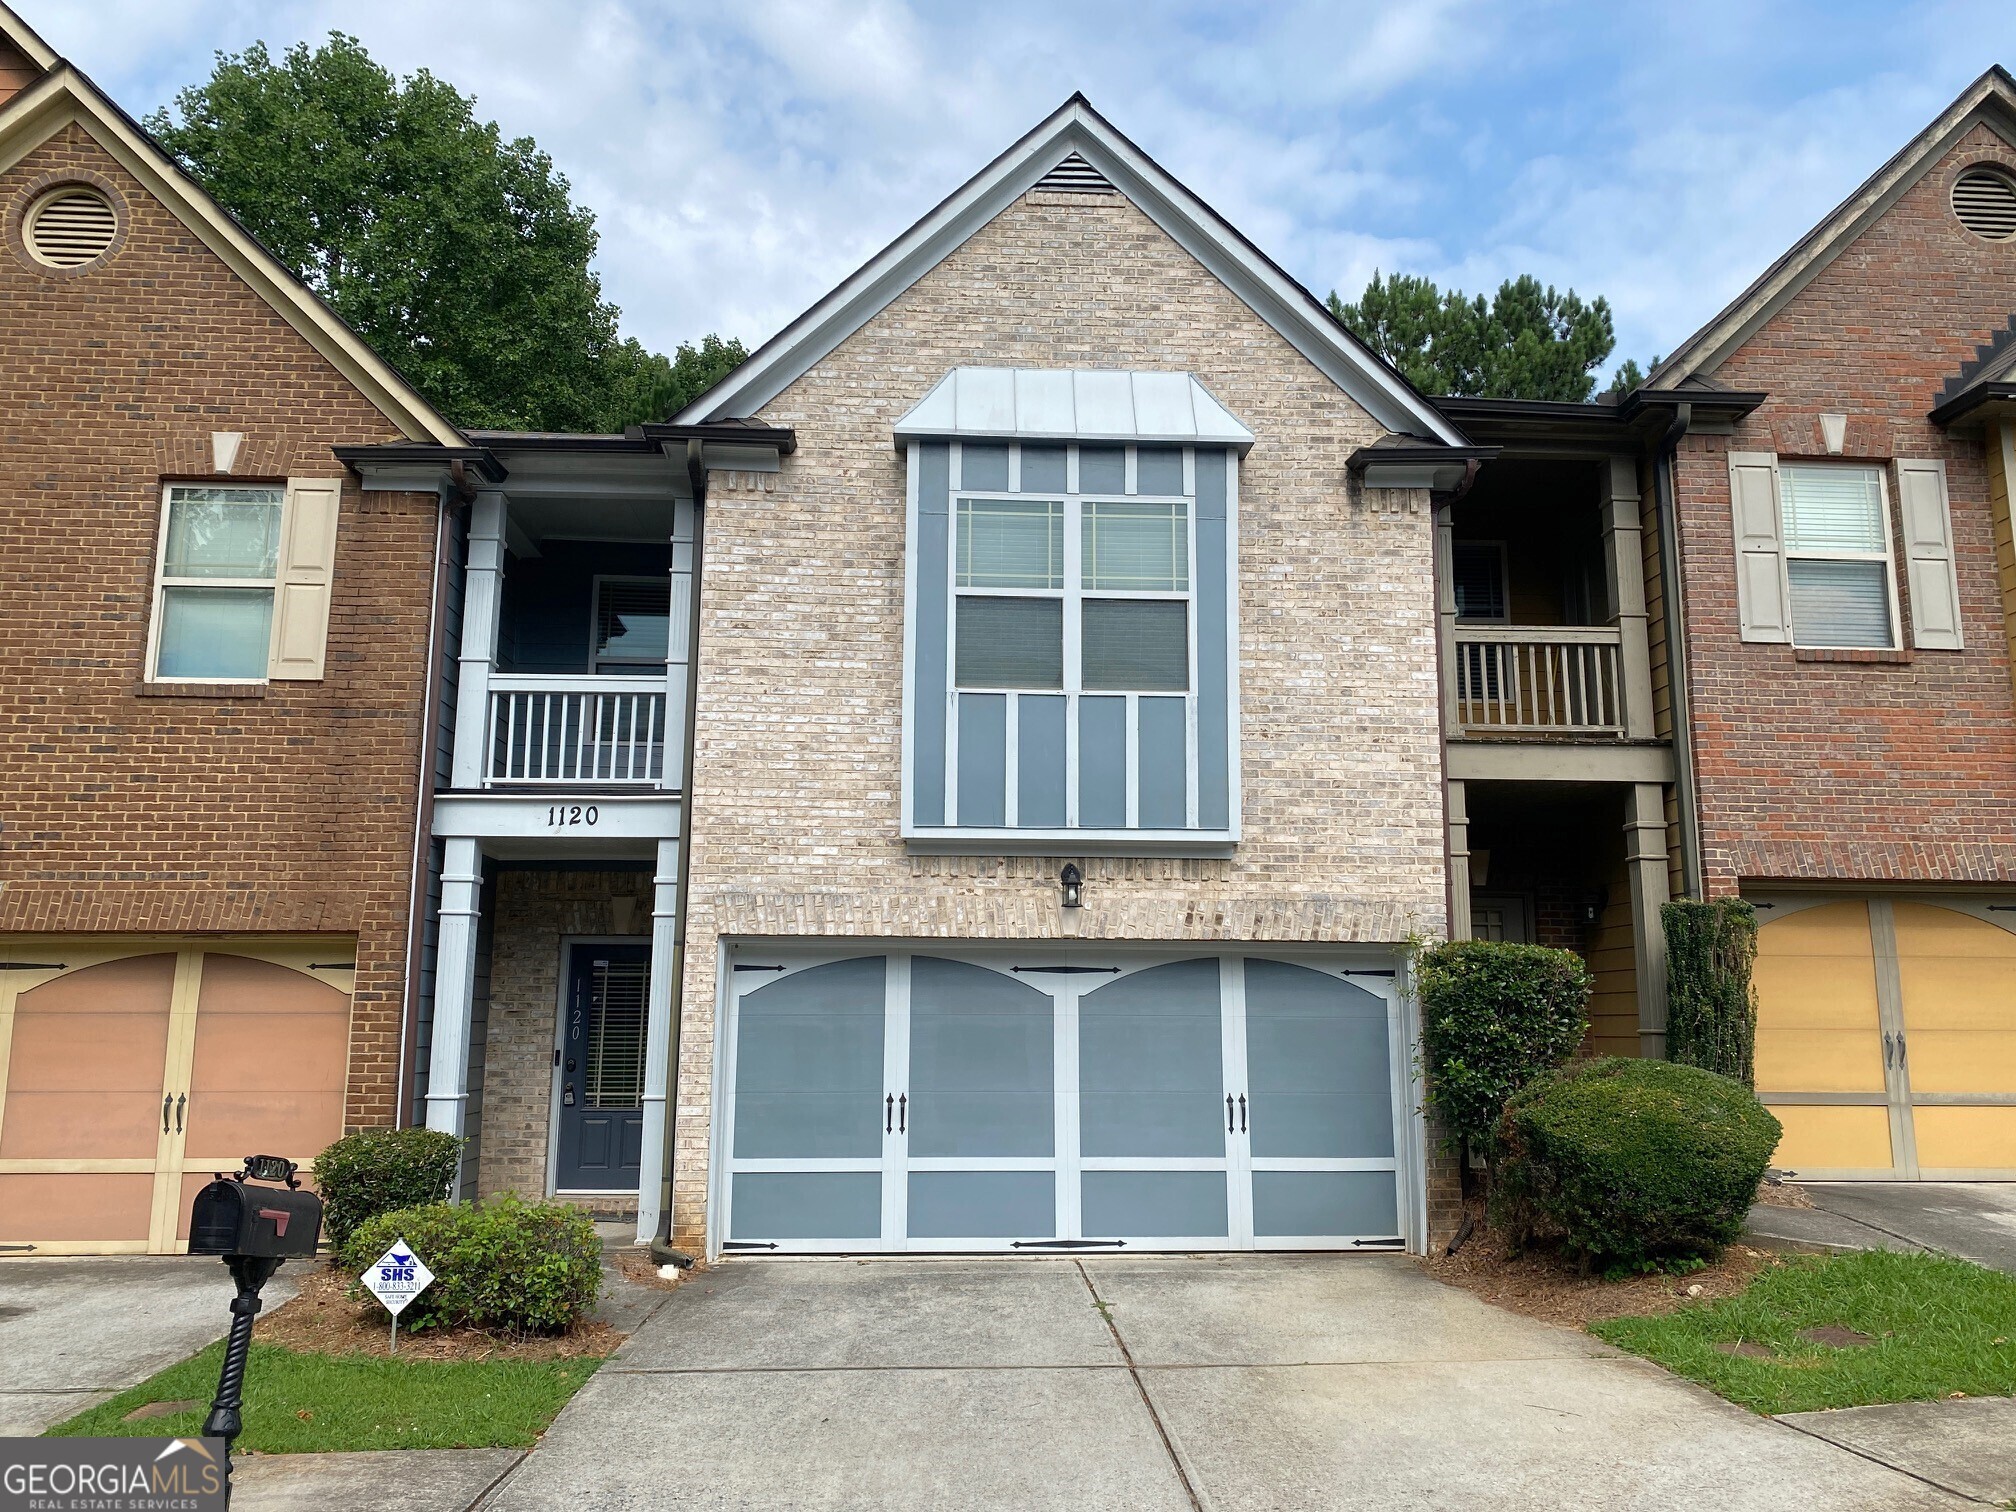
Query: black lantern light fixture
[[1072, 881]]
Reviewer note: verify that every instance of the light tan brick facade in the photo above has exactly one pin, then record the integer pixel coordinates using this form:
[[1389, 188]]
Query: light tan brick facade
[[797, 770]]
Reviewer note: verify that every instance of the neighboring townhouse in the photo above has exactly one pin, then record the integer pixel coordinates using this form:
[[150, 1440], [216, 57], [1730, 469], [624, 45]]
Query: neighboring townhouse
[[212, 673], [1848, 578]]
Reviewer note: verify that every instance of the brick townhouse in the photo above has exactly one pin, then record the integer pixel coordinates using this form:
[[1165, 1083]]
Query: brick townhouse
[[1847, 571], [212, 670]]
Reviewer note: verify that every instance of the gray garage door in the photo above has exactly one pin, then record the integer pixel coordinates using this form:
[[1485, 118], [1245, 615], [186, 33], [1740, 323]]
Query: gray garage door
[[914, 1101]]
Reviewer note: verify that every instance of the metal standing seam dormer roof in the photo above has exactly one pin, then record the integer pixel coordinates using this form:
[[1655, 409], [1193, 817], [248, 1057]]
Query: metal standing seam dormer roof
[[1076, 130], [1072, 405], [65, 94], [1990, 100]]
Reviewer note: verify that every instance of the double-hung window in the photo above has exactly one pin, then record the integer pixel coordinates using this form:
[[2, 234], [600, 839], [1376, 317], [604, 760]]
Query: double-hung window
[[633, 626], [1840, 580], [243, 580]]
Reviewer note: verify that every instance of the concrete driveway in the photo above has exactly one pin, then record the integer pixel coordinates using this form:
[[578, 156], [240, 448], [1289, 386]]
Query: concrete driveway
[[74, 1332], [1975, 1220], [1247, 1383]]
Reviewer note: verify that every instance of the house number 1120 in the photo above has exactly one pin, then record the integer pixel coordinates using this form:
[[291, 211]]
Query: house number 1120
[[568, 815]]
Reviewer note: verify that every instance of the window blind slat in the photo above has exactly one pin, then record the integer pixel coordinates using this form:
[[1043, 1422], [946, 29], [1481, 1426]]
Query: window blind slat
[[1010, 643], [1831, 508], [1840, 603]]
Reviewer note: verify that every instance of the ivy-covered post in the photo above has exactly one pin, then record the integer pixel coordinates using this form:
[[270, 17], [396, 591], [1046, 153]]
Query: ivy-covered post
[[1711, 1004]]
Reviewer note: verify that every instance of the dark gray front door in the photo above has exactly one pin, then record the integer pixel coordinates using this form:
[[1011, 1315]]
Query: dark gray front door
[[602, 1068]]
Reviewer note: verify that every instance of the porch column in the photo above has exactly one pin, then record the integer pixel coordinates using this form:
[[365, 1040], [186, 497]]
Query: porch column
[[454, 987], [1624, 574], [1645, 861], [1445, 626], [658, 1035], [482, 597], [1459, 862], [678, 647]]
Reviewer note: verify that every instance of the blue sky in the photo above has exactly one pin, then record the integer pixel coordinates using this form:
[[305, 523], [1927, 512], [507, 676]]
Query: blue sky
[[743, 158]]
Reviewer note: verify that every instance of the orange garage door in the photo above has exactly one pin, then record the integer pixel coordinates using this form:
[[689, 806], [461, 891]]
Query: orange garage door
[[128, 1075]]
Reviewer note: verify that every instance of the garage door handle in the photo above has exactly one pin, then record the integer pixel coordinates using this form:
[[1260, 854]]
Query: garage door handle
[[903, 1114], [889, 1112], [1242, 1112], [1900, 1052], [168, 1101], [1886, 1051], [1228, 1115], [180, 1103]]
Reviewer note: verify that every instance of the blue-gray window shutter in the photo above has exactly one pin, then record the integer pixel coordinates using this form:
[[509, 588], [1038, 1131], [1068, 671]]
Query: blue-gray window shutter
[[928, 698], [1214, 592]]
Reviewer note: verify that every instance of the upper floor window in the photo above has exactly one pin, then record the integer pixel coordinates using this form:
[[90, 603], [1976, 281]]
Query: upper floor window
[[242, 589], [1070, 616], [633, 625], [1839, 579]]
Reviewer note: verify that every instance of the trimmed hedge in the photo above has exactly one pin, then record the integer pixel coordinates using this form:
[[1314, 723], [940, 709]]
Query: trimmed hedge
[[1633, 1162], [1711, 1009], [379, 1171], [506, 1265], [1493, 1017]]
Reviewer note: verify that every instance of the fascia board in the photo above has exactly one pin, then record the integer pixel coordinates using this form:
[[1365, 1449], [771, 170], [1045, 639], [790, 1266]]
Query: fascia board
[[1283, 304], [1711, 346], [65, 96], [25, 41]]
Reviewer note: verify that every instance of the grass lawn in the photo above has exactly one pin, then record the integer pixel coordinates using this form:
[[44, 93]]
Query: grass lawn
[[304, 1403], [1939, 1327]]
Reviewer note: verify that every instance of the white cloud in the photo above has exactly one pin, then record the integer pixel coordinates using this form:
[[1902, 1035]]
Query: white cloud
[[743, 159]]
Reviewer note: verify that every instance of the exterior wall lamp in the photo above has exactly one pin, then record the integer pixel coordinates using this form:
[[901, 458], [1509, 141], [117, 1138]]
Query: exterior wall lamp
[[1072, 882]]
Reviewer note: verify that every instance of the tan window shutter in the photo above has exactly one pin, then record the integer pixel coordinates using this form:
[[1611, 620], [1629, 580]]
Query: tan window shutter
[[1928, 554], [1760, 554], [307, 573]]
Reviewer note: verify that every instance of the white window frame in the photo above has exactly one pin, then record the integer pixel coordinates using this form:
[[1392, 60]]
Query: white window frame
[[162, 582], [1073, 595], [1888, 556], [595, 659]]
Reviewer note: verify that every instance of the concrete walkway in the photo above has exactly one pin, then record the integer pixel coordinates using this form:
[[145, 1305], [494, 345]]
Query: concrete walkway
[[1236, 1382], [1975, 1220], [74, 1332]]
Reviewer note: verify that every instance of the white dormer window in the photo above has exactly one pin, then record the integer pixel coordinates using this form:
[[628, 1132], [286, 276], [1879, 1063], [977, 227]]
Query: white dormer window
[[1071, 613]]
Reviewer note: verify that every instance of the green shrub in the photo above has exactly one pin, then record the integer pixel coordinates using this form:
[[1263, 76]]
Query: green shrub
[[1711, 1009], [1635, 1162], [379, 1171], [506, 1265], [1493, 1017]]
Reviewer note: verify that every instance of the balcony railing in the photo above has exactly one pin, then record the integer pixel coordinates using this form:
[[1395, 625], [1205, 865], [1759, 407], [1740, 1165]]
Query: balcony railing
[[576, 730], [1541, 680]]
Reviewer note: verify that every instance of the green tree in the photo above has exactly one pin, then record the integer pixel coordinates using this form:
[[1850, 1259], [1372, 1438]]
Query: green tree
[[652, 386], [1628, 377], [1529, 341], [458, 255]]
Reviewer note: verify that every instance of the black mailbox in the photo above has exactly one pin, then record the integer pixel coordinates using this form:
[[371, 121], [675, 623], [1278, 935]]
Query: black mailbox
[[231, 1216]]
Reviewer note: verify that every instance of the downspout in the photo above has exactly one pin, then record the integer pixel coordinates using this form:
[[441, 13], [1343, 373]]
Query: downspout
[[1678, 666], [696, 475], [423, 814]]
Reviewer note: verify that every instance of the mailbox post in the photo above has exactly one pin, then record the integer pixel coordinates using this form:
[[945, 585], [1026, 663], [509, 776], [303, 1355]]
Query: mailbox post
[[257, 1229]]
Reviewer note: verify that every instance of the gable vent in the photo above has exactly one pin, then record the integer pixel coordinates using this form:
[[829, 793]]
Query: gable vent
[[1076, 176], [69, 227], [1985, 201]]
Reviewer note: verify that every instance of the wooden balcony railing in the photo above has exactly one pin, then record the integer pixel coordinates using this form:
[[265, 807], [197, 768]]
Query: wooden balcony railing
[[576, 730], [1540, 680]]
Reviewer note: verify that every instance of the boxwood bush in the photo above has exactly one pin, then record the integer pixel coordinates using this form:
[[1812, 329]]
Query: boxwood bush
[[1635, 1162], [1493, 1017], [379, 1170], [505, 1265]]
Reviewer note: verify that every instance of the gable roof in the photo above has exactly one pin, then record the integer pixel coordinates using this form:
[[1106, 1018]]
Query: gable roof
[[1076, 130], [1990, 100], [64, 94]]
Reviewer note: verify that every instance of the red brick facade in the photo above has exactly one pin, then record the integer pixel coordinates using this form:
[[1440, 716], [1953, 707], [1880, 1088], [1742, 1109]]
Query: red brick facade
[[130, 809], [1859, 766]]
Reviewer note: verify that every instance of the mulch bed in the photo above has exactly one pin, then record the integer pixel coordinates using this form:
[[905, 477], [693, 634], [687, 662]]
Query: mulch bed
[[637, 1267], [323, 1319], [1541, 1283]]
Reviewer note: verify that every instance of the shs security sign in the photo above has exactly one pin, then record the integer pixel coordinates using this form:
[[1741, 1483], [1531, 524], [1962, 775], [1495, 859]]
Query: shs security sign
[[396, 1277]]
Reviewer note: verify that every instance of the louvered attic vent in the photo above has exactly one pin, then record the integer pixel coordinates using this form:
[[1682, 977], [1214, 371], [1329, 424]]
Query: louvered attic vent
[[69, 227], [1985, 201], [1076, 176]]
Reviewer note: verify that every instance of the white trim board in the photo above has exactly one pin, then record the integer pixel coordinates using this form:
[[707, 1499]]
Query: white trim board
[[1288, 307]]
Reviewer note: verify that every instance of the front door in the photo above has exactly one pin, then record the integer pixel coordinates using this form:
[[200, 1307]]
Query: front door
[[601, 1103]]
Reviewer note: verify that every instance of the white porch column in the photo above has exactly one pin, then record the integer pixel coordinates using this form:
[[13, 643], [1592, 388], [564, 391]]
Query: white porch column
[[678, 647], [658, 1036], [482, 598], [454, 986], [1459, 862]]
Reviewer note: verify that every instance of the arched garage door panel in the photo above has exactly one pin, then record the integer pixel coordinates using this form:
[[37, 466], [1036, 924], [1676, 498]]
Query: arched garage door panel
[[1958, 978]]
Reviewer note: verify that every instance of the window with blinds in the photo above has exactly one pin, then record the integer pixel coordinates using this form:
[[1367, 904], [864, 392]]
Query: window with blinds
[[1839, 575], [1479, 569], [614, 1065], [633, 624]]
